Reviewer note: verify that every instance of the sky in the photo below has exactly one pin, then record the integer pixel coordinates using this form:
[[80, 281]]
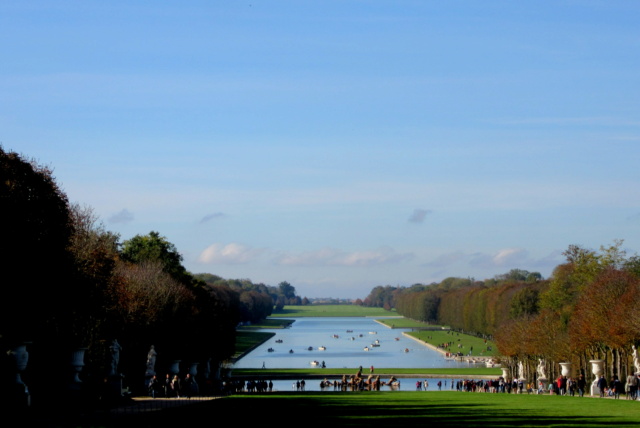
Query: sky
[[337, 145]]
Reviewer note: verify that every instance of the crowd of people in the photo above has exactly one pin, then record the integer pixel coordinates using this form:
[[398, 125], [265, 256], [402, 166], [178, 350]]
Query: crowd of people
[[173, 387]]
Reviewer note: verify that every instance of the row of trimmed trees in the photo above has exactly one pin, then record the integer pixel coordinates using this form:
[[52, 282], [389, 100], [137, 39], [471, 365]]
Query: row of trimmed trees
[[69, 283], [586, 310]]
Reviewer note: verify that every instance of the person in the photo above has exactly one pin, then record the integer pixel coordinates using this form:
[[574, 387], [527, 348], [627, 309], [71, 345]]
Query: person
[[153, 386], [189, 386], [636, 361], [571, 386], [175, 386], [631, 386], [582, 385], [602, 385], [616, 386], [167, 386]]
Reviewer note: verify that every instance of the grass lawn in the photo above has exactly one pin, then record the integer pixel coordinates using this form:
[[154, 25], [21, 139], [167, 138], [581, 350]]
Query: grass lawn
[[332, 311], [466, 342], [407, 323], [401, 408]]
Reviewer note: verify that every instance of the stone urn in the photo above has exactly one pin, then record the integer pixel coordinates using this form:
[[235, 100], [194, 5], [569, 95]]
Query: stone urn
[[565, 369], [174, 367], [77, 363], [193, 369], [597, 367]]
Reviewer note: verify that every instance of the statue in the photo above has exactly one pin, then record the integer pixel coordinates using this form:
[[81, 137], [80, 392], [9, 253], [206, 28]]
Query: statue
[[520, 370], [115, 356], [541, 369], [151, 361], [636, 362]]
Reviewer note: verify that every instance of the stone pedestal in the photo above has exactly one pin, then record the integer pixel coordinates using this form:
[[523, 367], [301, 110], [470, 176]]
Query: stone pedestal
[[505, 372], [597, 368], [543, 385], [19, 395]]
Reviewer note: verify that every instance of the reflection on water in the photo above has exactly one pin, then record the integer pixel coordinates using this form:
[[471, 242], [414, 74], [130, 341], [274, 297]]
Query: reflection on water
[[348, 342]]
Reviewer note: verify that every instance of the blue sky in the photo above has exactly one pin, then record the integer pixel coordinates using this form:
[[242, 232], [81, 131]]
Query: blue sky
[[336, 145]]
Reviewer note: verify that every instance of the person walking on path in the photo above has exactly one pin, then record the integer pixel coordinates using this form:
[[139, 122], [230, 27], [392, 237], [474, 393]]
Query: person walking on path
[[632, 386], [167, 386], [176, 386], [602, 385], [153, 387], [582, 385]]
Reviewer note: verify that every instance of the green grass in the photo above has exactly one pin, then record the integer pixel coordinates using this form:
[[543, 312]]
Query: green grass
[[247, 340], [332, 311], [407, 323], [271, 323], [400, 409], [438, 337]]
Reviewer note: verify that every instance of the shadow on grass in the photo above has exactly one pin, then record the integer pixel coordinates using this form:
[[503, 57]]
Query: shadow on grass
[[355, 409]]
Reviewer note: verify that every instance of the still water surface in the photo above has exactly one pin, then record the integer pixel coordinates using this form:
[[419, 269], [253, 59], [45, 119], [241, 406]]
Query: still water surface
[[345, 339]]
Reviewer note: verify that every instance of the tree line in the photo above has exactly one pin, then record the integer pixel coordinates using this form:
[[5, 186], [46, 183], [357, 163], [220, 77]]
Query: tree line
[[586, 310], [67, 282]]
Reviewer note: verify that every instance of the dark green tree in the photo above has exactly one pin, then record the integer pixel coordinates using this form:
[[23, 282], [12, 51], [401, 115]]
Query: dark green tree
[[154, 247]]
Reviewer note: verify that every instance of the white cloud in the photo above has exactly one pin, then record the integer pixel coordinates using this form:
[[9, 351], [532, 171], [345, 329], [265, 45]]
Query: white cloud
[[228, 254], [509, 256]]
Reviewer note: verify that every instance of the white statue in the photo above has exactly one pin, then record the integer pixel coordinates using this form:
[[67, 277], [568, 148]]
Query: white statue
[[151, 361], [520, 370], [541, 369], [115, 356], [636, 362]]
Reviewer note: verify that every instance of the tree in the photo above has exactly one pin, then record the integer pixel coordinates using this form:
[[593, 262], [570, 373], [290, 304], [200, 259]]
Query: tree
[[287, 290], [39, 279], [153, 247], [34, 250], [524, 302]]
